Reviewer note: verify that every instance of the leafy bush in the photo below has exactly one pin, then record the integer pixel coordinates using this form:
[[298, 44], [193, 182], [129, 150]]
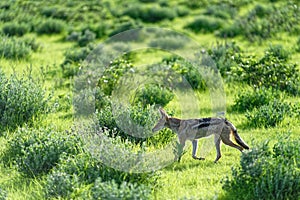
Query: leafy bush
[[126, 191], [269, 115], [182, 11], [51, 26], [112, 74], [298, 45], [168, 42], [15, 29], [230, 30], [226, 55], [222, 10], [124, 24], [37, 151], [278, 51], [14, 48], [150, 14], [266, 174], [153, 95], [260, 11], [21, 101], [73, 58], [60, 185], [187, 70], [83, 38], [133, 123], [269, 72], [77, 55], [32, 43], [3, 194], [255, 98], [56, 12], [205, 24], [265, 22]]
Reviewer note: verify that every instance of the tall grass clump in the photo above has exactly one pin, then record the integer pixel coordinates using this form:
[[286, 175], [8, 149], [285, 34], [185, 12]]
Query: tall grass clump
[[15, 29], [205, 24], [14, 48], [150, 14], [82, 38], [168, 42], [22, 100], [37, 151], [3, 194], [51, 26], [266, 172]]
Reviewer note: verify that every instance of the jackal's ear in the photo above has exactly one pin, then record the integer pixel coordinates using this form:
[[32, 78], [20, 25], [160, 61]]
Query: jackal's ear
[[162, 112]]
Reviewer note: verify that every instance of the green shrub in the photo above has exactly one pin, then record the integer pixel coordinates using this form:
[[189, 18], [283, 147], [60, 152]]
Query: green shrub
[[56, 12], [205, 24], [269, 72], [126, 191], [21, 101], [267, 174], [187, 70], [225, 55], [77, 55], [298, 45], [32, 43], [83, 38], [112, 74], [14, 48], [223, 11], [269, 115], [182, 11], [15, 29], [153, 94], [60, 185], [73, 58], [261, 11], [230, 31], [255, 98], [124, 24], [150, 14], [51, 26], [265, 22], [133, 123], [168, 42], [278, 51], [37, 151], [3, 194], [125, 120]]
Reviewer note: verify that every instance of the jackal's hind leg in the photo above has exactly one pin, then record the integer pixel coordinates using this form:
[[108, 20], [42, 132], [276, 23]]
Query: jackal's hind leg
[[195, 147], [218, 147]]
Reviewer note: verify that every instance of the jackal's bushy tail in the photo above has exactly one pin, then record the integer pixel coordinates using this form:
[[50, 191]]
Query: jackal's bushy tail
[[236, 135]]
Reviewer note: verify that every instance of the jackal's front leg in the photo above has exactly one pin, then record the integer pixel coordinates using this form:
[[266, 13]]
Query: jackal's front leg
[[195, 147], [180, 148]]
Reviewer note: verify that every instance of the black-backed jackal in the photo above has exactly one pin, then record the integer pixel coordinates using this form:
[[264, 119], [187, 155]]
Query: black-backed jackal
[[193, 129]]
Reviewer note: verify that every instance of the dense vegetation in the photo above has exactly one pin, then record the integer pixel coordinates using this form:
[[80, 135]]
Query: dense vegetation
[[45, 46]]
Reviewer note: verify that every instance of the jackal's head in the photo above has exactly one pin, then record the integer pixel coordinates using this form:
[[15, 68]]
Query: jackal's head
[[162, 121]]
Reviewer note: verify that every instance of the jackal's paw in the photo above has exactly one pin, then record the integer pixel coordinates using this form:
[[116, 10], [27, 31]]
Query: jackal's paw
[[196, 158]]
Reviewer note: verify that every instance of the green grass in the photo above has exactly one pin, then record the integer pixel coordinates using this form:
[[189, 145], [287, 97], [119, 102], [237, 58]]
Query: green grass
[[189, 179]]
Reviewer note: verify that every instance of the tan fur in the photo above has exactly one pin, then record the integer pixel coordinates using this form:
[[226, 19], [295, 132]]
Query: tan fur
[[193, 129]]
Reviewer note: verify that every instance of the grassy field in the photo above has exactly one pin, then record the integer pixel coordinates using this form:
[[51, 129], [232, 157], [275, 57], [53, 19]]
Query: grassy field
[[55, 62]]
